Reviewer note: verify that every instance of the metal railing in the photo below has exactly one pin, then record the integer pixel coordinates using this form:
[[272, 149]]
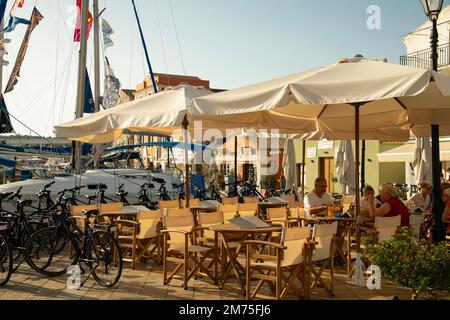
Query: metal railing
[[422, 59]]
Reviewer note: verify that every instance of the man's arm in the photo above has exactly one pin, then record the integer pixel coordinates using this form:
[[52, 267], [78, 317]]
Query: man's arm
[[379, 212]]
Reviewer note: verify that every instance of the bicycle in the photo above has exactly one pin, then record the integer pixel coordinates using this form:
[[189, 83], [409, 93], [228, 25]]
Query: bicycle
[[143, 198], [51, 251], [162, 192], [6, 261]]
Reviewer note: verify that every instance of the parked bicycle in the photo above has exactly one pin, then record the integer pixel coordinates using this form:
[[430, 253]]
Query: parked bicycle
[[51, 251], [6, 261]]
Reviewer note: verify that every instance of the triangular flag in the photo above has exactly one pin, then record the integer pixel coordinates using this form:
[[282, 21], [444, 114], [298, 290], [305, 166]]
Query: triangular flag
[[13, 22], [89, 105], [18, 4], [5, 121]]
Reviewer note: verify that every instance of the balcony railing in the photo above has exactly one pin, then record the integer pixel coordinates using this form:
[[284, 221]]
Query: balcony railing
[[422, 59]]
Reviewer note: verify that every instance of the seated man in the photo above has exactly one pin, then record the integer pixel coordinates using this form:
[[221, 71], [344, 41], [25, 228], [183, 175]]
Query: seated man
[[318, 200], [392, 206], [422, 200]]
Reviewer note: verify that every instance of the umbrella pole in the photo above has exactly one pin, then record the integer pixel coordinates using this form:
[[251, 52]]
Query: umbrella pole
[[186, 160], [357, 271], [303, 169], [363, 166], [235, 165]]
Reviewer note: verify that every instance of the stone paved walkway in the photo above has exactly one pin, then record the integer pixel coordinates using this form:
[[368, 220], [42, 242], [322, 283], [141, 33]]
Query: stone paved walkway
[[146, 283]]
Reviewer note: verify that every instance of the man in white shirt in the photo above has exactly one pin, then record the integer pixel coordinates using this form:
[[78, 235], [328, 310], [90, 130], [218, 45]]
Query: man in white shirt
[[318, 200]]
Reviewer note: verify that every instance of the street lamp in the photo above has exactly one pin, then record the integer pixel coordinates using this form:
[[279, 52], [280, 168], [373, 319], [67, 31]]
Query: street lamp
[[432, 10]]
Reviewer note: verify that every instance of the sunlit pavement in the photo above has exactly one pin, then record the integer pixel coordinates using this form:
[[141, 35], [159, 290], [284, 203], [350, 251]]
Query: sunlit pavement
[[146, 283]]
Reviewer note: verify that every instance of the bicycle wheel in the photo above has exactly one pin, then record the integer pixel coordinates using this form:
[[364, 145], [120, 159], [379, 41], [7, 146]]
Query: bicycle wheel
[[105, 259], [6, 262], [51, 251]]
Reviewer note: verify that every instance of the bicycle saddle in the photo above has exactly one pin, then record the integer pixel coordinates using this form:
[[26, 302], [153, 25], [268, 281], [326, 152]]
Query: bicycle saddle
[[90, 196], [25, 203], [159, 180]]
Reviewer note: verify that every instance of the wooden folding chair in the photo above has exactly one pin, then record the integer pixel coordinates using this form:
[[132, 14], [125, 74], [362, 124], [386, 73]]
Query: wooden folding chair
[[145, 232], [76, 214], [229, 211], [176, 212], [233, 200], [324, 237], [169, 204], [248, 209], [291, 261], [180, 248], [290, 198], [251, 200], [278, 215]]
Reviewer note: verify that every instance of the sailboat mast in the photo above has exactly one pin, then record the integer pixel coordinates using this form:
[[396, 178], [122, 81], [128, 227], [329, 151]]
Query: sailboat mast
[[152, 75], [2, 26], [81, 77], [96, 69]]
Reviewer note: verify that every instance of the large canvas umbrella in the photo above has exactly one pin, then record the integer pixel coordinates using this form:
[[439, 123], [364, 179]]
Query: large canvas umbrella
[[355, 99], [345, 167], [422, 160]]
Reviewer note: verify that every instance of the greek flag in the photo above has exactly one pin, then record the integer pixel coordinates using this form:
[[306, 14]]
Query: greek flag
[[112, 87]]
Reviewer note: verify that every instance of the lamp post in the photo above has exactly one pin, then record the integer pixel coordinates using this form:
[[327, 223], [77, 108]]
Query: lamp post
[[432, 10]]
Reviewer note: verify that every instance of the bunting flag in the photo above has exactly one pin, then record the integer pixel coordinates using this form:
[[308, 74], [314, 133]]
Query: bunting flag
[[89, 105], [2, 8], [18, 4], [36, 17], [77, 33], [107, 32], [13, 22], [5, 121], [112, 87]]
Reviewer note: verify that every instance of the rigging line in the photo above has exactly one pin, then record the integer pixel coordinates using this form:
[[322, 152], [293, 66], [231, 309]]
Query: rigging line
[[162, 42], [178, 38], [30, 128], [131, 53], [56, 70], [142, 49], [67, 84]]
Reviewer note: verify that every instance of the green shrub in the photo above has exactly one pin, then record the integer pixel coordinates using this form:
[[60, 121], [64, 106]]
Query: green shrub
[[409, 263]]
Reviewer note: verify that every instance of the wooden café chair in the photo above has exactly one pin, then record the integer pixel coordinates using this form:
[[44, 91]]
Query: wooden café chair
[[291, 261]]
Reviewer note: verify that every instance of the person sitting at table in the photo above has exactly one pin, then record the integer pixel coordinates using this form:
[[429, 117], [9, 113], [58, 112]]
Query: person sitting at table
[[369, 192], [392, 206], [318, 200], [422, 200]]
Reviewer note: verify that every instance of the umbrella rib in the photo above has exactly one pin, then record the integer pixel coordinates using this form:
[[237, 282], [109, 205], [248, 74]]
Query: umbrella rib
[[322, 111], [400, 103]]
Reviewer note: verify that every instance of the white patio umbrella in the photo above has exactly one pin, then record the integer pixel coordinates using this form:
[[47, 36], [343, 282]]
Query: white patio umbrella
[[422, 160], [355, 99], [345, 167], [289, 165]]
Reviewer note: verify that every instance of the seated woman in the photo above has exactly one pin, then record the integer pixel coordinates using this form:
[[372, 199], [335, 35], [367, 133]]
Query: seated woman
[[391, 207], [422, 200], [369, 193]]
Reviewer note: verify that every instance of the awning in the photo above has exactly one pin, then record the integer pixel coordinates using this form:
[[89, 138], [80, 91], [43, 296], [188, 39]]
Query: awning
[[405, 153]]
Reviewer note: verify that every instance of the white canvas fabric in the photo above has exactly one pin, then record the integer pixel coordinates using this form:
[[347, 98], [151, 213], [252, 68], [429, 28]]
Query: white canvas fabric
[[345, 167], [289, 164]]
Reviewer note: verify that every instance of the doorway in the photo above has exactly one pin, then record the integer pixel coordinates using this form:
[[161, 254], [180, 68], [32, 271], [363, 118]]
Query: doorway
[[326, 170]]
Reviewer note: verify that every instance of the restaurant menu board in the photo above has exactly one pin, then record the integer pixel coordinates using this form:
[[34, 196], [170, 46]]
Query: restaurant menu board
[[249, 222]]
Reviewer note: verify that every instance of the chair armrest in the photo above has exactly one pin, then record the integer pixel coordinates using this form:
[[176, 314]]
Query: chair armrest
[[176, 231], [78, 217], [130, 222], [267, 243]]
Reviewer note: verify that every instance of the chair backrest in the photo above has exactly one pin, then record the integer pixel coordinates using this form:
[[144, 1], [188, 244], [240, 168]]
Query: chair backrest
[[251, 199], [229, 211], [169, 204], [248, 209], [115, 206], [78, 212], [296, 204], [192, 202], [210, 219], [233, 200], [416, 221], [386, 226], [176, 212], [149, 222], [277, 214], [323, 235], [294, 239], [184, 223]]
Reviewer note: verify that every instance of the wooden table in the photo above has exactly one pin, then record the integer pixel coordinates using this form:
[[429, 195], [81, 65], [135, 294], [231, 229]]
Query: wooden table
[[231, 233], [126, 212]]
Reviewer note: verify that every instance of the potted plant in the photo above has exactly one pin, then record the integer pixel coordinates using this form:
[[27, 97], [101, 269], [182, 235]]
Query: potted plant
[[407, 262]]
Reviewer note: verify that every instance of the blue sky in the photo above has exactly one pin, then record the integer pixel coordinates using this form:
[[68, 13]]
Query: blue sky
[[229, 42]]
